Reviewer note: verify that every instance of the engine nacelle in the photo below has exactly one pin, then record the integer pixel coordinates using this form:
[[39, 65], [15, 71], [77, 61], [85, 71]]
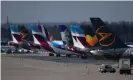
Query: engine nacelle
[[128, 53], [11, 43], [35, 45]]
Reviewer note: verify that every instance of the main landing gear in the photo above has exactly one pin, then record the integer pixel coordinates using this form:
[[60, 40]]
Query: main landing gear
[[51, 54], [58, 55], [83, 56], [68, 55]]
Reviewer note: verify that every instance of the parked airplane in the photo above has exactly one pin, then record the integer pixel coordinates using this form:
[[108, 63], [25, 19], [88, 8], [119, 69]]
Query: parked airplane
[[40, 37], [20, 38], [75, 38], [111, 46], [71, 44]]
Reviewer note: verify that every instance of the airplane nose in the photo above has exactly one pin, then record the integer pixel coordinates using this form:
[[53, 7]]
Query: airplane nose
[[97, 52], [93, 52]]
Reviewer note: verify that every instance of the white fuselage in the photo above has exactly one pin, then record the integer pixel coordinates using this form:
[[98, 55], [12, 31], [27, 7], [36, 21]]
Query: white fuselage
[[113, 53], [61, 51]]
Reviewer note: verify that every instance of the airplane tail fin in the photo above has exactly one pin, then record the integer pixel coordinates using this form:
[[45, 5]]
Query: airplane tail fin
[[105, 36], [15, 32], [65, 35], [90, 36], [38, 36], [78, 36], [24, 33], [45, 32]]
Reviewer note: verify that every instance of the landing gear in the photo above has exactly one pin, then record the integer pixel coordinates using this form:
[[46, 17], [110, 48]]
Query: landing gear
[[51, 54], [78, 56], [83, 56], [68, 55], [58, 55]]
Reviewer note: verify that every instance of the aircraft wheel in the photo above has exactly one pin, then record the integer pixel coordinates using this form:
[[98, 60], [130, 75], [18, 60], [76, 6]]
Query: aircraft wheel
[[78, 56], [68, 55], [83, 57], [58, 55], [51, 54]]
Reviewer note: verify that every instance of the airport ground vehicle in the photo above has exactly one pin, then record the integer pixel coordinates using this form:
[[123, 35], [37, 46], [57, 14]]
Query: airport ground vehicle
[[124, 66], [106, 68]]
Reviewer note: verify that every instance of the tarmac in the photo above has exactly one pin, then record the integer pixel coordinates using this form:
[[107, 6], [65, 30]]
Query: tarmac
[[41, 67]]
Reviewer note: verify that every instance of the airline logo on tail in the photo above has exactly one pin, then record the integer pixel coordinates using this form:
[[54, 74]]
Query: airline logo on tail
[[106, 38], [91, 40], [15, 33], [37, 35], [24, 34], [90, 35], [78, 36], [65, 35], [46, 34]]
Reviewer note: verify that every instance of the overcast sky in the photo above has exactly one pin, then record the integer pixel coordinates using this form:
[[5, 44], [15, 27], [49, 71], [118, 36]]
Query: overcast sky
[[27, 11]]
